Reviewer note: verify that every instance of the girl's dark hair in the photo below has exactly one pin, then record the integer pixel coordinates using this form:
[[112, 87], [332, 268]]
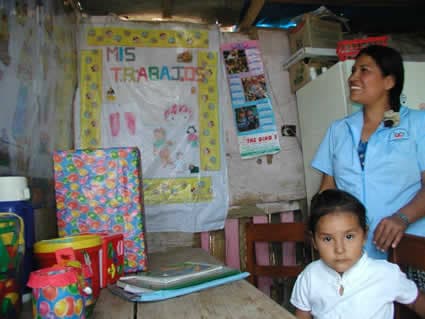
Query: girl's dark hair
[[390, 62], [332, 201]]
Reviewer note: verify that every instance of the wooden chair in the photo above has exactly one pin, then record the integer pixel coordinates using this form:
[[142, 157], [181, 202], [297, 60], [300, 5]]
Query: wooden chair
[[409, 252], [284, 232]]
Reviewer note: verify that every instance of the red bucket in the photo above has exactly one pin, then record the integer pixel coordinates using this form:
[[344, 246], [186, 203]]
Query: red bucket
[[87, 250]]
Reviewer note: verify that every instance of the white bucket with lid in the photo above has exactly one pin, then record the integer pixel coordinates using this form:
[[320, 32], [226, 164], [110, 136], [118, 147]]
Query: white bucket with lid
[[14, 188]]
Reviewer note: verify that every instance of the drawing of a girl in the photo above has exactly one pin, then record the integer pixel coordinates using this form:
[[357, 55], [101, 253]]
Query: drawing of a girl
[[161, 146], [192, 137]]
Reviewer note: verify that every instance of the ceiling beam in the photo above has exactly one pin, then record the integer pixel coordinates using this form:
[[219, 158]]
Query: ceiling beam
[[251, 14], [354, 3], [167, 8]]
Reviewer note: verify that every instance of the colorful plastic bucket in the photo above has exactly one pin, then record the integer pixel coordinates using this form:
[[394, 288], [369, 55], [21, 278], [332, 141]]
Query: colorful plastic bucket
[[87, 251], [56, 293]]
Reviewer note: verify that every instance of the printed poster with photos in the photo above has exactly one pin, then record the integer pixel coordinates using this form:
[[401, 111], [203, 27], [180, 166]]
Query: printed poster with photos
[[157, 89], [251, 103]]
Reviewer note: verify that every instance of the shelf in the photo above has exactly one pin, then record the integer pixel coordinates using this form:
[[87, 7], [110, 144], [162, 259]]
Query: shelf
[[308, 52]]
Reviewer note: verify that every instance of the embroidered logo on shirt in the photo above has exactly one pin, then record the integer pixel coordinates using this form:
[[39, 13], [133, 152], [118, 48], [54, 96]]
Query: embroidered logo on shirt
[[399, 134]]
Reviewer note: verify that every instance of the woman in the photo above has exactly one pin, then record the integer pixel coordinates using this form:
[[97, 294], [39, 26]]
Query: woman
[[378, 153]]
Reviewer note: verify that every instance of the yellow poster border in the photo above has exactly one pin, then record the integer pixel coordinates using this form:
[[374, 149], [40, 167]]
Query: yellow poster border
[[118, 36], [177, 190], [209, 137], [90, 97]]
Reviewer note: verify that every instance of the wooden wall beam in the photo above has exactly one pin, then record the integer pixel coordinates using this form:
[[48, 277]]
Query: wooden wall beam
[[251, 14], [167, 8]]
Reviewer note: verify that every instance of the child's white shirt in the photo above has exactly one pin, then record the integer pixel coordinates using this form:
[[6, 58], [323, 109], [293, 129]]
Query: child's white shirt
[[370, 288]]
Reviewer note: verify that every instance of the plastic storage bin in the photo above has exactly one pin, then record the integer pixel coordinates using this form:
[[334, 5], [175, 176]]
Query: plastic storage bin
[[348, 49]]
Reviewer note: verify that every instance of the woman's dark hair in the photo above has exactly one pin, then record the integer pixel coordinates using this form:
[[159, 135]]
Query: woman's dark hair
[[332, 201], [390, 62]]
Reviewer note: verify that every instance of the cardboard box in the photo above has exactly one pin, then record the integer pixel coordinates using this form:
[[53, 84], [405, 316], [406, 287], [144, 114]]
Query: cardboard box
[[100, 190], [300, 73], [314, 32]]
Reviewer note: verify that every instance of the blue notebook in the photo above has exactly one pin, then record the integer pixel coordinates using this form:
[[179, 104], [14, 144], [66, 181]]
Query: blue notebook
[[156, 295]]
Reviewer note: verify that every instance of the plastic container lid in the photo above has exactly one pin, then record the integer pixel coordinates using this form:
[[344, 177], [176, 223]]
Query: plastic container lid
[[53, 277], [13, 188], [75, 242]]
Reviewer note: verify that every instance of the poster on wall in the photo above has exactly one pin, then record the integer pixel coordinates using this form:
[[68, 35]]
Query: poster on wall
[[251, 102], [157, 88]]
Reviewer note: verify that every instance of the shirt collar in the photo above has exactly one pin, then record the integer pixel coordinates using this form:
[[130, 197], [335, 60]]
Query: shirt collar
[[357, 118], [355, 122], [350, 274]]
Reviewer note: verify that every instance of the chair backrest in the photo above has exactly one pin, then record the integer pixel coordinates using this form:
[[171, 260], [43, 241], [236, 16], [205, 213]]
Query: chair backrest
[[409, 252], [284, 232]]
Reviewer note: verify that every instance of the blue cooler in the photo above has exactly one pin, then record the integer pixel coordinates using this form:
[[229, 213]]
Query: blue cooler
[[14, 198]]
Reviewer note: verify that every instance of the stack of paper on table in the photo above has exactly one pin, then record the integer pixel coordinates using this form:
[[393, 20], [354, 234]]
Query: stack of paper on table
[[174, 280]]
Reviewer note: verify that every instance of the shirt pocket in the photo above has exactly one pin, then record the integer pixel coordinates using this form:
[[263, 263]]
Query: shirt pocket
[[347, 170], [400, 152]]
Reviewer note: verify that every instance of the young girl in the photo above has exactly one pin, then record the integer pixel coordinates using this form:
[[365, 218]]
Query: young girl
[[345, 283]]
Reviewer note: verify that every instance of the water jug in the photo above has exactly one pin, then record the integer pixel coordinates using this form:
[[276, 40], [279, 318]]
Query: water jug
[[14, 198]]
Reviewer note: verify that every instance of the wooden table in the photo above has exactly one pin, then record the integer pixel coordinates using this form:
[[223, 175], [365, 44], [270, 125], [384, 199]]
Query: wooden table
[[233, 300]]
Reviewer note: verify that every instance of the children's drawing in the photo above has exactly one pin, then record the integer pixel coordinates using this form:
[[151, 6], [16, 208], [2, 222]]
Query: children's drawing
[[114, 123], [178, 114], [161, 147], [131, 122], [185, 57], [192, 137], [180, 163], [193, 169], [110, 94]]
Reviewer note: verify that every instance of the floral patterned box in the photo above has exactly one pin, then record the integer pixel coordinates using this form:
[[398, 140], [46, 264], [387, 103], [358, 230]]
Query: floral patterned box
[[100, 190]]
